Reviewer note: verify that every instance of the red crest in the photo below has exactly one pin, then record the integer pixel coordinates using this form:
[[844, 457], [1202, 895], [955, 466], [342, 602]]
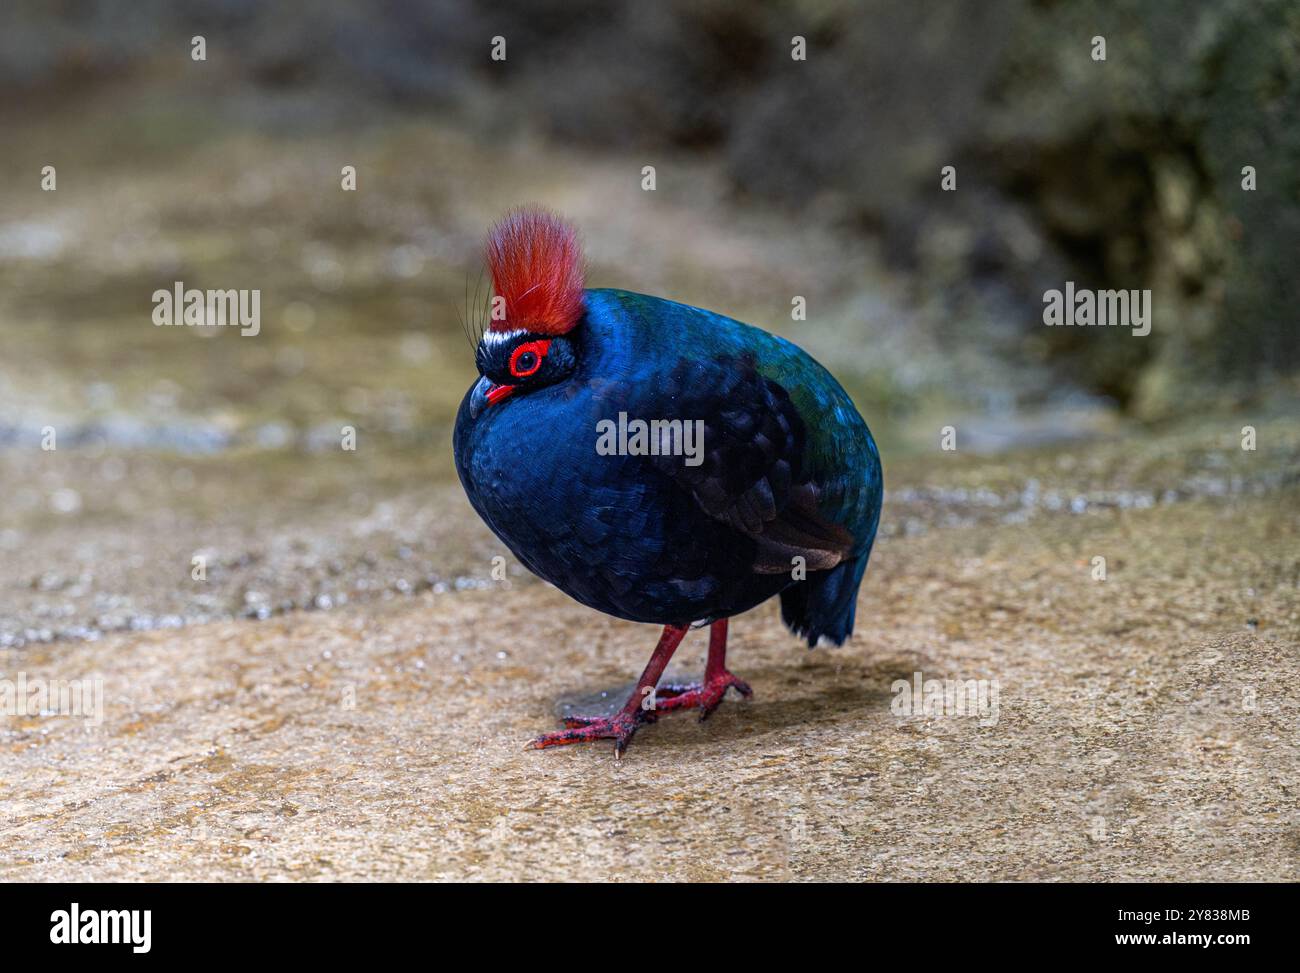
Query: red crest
[[536, 266]]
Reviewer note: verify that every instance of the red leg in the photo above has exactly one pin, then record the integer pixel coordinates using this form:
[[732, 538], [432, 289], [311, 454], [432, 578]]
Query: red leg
[[717, 680], [624, 723]]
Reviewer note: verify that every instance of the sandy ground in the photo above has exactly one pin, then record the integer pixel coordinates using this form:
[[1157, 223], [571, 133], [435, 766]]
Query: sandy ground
[[1145, 729]]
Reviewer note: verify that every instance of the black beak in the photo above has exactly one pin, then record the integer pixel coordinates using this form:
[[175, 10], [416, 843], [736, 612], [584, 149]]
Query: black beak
[[486, 394], [478, 400]]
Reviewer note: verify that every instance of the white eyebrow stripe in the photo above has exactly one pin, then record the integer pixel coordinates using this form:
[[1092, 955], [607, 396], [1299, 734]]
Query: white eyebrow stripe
[[500, 337]]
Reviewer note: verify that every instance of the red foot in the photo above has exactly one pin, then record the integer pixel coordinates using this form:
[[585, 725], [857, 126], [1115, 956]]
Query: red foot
[[706, 695], [622, 725], [581, 729]]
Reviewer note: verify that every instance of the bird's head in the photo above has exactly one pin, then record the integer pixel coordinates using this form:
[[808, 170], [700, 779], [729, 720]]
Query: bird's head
[[537, 277]]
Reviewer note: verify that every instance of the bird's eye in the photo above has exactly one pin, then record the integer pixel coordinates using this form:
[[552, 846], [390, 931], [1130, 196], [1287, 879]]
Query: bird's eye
[[527, 358]]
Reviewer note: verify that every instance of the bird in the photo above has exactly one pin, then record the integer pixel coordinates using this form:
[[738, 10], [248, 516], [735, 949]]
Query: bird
[[660, 463]]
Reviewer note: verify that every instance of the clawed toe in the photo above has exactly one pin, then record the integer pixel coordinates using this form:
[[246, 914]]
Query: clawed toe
[[644, 706], [582, 729], [706, 696]]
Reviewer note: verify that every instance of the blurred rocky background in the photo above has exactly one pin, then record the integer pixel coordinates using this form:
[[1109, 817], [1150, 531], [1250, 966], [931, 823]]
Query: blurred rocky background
[[1117, 174]]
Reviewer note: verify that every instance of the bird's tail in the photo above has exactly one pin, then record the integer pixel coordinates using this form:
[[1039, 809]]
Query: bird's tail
[[823, 604]]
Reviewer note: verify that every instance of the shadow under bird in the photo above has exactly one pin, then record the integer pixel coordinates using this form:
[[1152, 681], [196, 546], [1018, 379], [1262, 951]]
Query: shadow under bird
[[661, 463]]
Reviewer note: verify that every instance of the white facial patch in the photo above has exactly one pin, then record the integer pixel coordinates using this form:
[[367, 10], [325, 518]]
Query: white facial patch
[[493, 338]]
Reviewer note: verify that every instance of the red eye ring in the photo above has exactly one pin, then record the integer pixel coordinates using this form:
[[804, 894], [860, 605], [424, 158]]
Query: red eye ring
[[537, 348]]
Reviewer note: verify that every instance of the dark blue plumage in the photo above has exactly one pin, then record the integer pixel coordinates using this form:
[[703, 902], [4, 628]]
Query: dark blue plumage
[[631, 536], [788, 477]]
